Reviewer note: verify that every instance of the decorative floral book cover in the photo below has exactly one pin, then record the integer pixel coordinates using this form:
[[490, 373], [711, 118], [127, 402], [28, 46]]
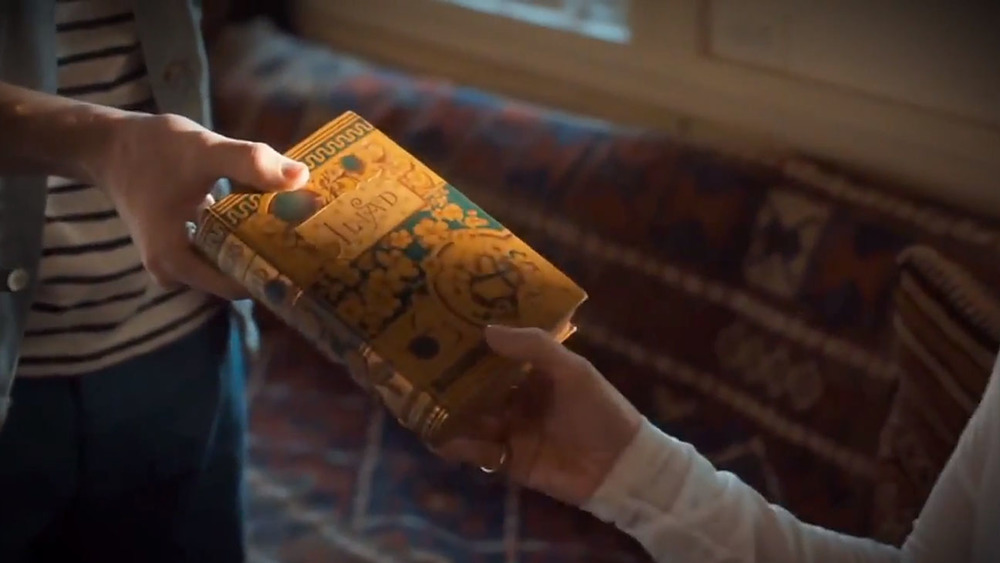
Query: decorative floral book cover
[[384, 266]]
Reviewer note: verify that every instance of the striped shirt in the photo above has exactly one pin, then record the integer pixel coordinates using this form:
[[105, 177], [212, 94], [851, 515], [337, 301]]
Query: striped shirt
[[96, 305]]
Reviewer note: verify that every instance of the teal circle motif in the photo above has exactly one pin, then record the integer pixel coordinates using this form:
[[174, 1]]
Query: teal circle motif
[[275, 291], [295, 206], [352, 163]]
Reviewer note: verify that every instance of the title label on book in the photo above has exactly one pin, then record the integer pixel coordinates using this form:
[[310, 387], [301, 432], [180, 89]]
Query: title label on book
[[359, 219]]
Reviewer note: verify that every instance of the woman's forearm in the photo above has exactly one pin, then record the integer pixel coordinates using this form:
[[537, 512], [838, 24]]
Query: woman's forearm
[[671, 499], [45, 134]]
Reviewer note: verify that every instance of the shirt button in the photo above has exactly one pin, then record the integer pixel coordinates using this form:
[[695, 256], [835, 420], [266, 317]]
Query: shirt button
[[18, 279]]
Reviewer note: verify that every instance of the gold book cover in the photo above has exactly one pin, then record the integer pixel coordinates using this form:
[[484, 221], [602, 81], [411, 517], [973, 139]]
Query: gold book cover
[[384, 266]]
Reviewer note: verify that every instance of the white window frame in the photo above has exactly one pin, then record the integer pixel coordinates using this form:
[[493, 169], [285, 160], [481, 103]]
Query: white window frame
[[525, 11], [665, 77]]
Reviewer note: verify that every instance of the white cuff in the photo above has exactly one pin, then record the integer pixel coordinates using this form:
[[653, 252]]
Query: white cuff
[[624, 496]]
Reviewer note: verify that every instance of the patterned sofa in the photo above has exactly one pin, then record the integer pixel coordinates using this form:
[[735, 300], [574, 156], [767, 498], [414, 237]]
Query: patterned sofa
[[745, 306]]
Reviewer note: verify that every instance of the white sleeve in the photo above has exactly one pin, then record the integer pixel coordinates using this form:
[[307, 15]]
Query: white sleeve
[[964, 505], [680, 508]]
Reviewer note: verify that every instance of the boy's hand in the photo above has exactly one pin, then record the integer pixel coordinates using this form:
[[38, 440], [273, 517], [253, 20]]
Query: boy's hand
[[159, 170]]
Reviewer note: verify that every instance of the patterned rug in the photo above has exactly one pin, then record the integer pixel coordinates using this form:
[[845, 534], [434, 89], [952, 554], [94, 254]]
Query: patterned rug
[[334, 479]]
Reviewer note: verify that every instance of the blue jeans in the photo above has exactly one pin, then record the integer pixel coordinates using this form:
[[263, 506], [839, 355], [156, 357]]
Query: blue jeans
[[142, 461]]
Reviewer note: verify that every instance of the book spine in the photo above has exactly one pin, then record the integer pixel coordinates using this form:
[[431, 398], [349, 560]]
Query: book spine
[[413, 408], [266, 285]]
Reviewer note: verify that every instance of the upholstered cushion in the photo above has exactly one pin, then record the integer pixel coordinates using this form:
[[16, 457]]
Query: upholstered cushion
[[947, 329]]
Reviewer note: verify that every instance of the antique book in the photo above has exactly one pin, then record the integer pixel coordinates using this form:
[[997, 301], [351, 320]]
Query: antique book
[[383, 265]]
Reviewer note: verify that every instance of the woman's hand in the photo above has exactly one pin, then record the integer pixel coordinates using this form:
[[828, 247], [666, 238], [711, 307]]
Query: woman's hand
[[566, 426], [158, 171]]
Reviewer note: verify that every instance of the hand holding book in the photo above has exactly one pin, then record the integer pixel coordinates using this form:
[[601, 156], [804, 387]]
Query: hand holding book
[[562, 430], [381, 264]]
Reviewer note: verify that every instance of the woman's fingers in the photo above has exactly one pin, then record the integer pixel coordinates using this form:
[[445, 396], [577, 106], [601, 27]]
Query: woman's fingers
[[475, 452], [478, 440], [532, 399]]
